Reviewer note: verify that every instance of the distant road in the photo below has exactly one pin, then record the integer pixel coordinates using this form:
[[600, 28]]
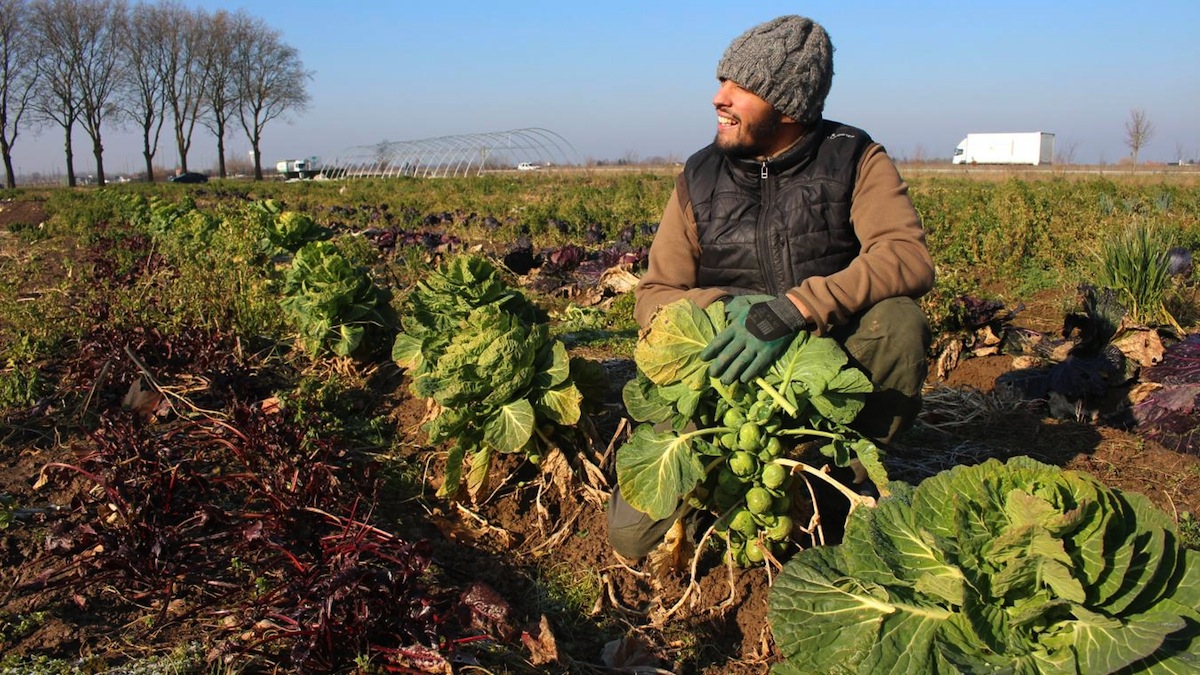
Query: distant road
[[1189, 170]]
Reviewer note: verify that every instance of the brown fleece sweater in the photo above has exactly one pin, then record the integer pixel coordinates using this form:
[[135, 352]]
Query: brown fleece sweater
[[893, 261]]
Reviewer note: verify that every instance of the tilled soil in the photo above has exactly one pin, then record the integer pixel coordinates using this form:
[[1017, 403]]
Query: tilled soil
[[544, 527]]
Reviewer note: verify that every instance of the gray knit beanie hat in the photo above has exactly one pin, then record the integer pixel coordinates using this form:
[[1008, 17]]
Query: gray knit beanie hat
[[788, 62]]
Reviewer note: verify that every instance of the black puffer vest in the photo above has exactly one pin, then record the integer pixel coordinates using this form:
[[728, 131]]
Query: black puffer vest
[[766, 226]]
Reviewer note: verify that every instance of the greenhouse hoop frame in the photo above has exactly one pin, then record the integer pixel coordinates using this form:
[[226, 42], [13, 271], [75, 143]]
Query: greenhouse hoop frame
[[453, 156]]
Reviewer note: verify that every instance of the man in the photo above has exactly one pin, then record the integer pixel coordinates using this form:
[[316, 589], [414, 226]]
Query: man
[[798, 223]]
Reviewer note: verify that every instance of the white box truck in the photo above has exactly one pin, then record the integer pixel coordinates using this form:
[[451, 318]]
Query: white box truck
[[297, 168], [1033, 147]]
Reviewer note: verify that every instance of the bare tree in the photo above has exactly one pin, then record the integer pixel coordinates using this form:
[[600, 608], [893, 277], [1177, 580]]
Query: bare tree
[[1065, 152], [1138, 131], [85, 36], [184, 74], [55, 99], [219, 101], [102, 23], [18, 74], [143, 94], [270, 81]]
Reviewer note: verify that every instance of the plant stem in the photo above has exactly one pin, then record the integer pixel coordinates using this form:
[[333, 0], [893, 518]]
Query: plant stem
[[810, 432], [709, 431], [779, 399], [855, 499]]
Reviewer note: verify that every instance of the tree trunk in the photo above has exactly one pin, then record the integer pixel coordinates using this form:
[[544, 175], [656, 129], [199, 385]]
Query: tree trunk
[[221, 151], [10, 178], [70, 160], [149, 165], [182, 147], [258, 175], [98, 151], [148, 153]]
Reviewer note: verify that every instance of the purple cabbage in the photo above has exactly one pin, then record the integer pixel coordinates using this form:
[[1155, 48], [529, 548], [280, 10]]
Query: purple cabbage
[[1171, 414]]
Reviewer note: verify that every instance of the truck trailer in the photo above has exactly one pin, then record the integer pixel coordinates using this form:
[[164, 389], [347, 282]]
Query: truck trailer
[[1033, 147], [297, 168]]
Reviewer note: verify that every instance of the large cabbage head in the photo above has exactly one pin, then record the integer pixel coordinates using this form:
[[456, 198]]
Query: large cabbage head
[[1019, 567]]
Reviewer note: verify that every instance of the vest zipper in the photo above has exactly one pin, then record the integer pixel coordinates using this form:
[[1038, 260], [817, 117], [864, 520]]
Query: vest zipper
[[763, 232]]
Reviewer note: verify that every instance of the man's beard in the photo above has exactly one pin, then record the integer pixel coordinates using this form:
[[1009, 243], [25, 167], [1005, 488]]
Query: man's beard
[[755, 140]]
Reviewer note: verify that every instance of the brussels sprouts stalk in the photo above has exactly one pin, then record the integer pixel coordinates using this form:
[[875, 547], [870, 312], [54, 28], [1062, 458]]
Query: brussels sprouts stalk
[[855, 499]]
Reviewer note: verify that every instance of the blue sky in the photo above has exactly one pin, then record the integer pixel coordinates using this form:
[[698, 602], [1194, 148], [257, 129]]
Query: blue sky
[[632, 78]]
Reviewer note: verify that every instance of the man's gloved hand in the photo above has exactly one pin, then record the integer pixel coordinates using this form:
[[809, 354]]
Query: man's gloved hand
[[737, 306], [753, 339]]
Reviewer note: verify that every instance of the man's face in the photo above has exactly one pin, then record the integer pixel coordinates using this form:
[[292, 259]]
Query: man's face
[[747, 126]]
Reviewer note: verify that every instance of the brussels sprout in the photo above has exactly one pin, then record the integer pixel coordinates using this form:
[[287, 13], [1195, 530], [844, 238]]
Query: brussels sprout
[[733, 418], [758, 500], [781, 530], [729, 440], [750, 437], [737, 555], [774, 475], [754, 552], [760, 412], [743, 464], [743, 523]]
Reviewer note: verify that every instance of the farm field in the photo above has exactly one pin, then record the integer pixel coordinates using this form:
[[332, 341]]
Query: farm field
[[217, 456]]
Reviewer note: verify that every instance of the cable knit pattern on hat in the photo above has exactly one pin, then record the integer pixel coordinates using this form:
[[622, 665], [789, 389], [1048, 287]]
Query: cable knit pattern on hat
[[788, 62]]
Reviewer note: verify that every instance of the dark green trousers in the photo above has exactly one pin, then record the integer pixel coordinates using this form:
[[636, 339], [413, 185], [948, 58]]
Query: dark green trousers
[[889, 343]]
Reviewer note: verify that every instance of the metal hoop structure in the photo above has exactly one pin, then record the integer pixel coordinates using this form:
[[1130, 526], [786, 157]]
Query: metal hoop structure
[[450, 156]]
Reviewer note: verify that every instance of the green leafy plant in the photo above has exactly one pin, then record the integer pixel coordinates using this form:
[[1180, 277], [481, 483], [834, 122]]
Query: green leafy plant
[[180, 223], [443, 299], [1189, 530], [1134, 262], [29, 232], [284, 230], [481, 351], [21, 385], [13, 627], [722, 446], [496, 377], [331, 302], [1017, 567]]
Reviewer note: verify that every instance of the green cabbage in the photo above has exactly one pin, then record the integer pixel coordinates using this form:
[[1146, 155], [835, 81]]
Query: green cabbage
[[331, 302], [483, 352], [1009, 568]]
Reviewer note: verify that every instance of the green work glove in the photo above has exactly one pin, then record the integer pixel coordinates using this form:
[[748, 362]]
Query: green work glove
[[753, 339], [737, 306]]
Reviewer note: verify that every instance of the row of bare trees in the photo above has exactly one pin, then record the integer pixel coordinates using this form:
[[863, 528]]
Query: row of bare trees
[[99, 64]]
